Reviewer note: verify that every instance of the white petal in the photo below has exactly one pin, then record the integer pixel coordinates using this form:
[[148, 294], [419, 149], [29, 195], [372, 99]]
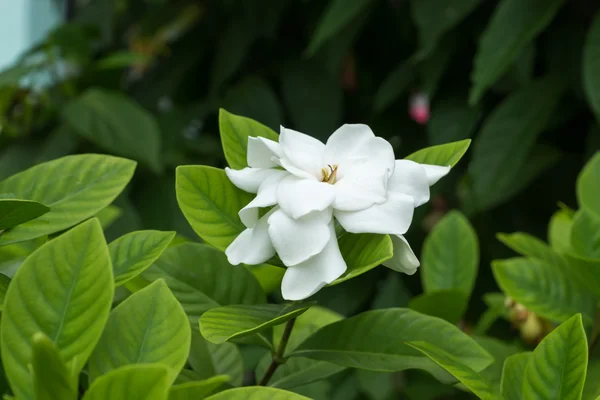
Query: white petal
[[261, 152], [266, 197], [248, 179], [410, 178], [296, 240], [392, 217], [291, 168], [404, 259], [346, 142], [297, 197], [435, 173], [253, 246], [303, 151], [307, 278], [360, 189]]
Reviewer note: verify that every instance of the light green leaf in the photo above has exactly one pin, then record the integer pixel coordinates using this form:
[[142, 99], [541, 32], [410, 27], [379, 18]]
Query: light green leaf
[[139, 382], [298, 371], [375, 340], [51, 378], [585, 234], [591, 65], [201, 278], [557, 367], [109, 215], [363, 252], [336, 17], [559, 232], [531, 246], [472, 379], [197, 390], [393, 86], [148, 327], [442, 154], [208, 359], [221, 324], [132, 253], [14, 212], [256, 393], [450, 255], [235, 131], [513, 26], [512, 375], [585, 272], [269, 276], [4, 282], [210, 203], [116, 124], [48, 294], [74, 187], [588, 190], [544, 288], [447, 304], [507, 137]]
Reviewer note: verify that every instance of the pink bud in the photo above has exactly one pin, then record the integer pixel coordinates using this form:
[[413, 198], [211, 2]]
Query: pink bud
[[419, 108]]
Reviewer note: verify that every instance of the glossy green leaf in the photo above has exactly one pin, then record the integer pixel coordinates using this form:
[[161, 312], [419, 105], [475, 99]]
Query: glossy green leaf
[[507, 138], [221, 324], [150, 326], [197, 390], [4, 282], [235, 131], [544, 288], [512, 376], [559, 232], [500, 350], [256, 393], [14, 212], [208, 359], [51, 378], [447, 304], [337, 15], [557, 367], [585, 234], [132, 253], [48, 293], [74, 187], [116, 124], [460, 370], [450, 256], [513, 26], [375, 340], [393, 86], [210, 203], [591, 65], [531, 246], [139, 382], [201, 278], [363, 252], [442, 154], [588, 190]]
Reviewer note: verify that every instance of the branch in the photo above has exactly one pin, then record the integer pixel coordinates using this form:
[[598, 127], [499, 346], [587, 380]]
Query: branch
[[278, 359]]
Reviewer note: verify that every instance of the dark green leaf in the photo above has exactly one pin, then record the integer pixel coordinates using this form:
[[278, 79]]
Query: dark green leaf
[[255, 99], [363, 252], [447, 304], [14, 212], [393, 86], [197, 390], [591, 66], [208, 359], [588, 190], [512, 375], [585, 234]]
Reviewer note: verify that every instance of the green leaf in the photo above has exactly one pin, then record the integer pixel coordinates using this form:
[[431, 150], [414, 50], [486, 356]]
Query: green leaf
[[447, 304], [256, 393], [233, 46], [591, 390], [116, 124], [122, 59], [208, 359], [585, 271], [531, 246], [150, 326], [588, 190], [557, 367], [4, 283], [513, 26], [585, 234], [49, 293], [512, 375], [51, 378], [393, 86], [235, 131], [375, 340], [462, 371], [197, 390], [132, 253], [452, 119], [139, 382], [544, 288], [210, 203], [450, 255], [591, 65], [14, 212], [222, 324], [507, 138], [363, 252], [74, 187], [201, 278], [500, 351], [109, 215], [334, 19], [254, 98], [442, 154], [559, 232]]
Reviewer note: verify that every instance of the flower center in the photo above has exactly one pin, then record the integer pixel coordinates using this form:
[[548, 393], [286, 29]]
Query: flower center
[[329, 174]]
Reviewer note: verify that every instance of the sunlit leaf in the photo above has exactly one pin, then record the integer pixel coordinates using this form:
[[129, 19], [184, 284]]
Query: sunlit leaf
[[139, 382], [442, 154]]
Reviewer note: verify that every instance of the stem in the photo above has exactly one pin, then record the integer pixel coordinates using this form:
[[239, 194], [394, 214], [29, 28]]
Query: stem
[[277, 358]]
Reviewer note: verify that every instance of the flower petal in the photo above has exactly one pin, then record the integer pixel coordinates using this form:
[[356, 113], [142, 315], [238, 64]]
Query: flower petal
[[248, 179], [404, 259], [410, 178], [392, 217], [297, 197], [360, 189], [435, 173], [253, 246], [261, 152], [296, 240], [307, 278], [266, 197], [303, 151], [346, 142], [292, 169]]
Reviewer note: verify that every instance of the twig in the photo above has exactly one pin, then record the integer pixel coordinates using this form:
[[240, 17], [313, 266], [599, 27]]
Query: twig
[[278, 359]]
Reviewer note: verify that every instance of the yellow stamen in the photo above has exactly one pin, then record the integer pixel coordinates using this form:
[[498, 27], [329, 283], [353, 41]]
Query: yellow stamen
[[332, 177]]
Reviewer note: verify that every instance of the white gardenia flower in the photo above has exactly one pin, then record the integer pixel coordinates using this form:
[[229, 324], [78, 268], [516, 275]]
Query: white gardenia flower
[[353, 178]]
